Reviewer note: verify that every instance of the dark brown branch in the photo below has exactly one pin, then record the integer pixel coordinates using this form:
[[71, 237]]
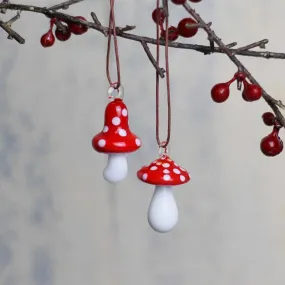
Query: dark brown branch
[[100, 28], [64, 5], [222, 48], [159, 70], [273, 103]]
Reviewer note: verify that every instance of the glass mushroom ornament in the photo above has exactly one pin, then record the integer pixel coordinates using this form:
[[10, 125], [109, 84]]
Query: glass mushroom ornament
[[163, 173], [116, 140]]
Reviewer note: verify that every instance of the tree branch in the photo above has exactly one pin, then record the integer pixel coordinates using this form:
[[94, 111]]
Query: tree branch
[[199, 48], [96, 25], [65, 5], [159, 70], [273, 103], [12, 34]]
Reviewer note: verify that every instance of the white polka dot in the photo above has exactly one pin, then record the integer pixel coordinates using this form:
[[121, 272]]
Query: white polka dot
[[182, 169], [165, 165], [153, 168], [116, 121], [144, 177], [166, 171], [101, 143], [177, 171], [125, 112], [159, 163], [105, 129], [166, 177], [162, 158], [138, 142], [182, 178], [122, 133]]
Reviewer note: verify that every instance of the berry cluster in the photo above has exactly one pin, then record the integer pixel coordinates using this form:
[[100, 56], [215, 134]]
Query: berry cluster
[[272, 144], [48, 39], [221, 91], [186, 28]]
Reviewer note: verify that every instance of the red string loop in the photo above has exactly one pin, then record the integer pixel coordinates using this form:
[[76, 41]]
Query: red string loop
[[112, 33], [163, 144]]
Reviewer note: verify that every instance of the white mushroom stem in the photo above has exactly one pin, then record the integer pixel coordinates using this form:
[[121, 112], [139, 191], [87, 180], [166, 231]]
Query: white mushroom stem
[[163, 211], [117, 167]]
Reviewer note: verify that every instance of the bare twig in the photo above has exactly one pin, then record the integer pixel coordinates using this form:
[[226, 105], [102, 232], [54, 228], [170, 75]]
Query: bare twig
[[159, 70], [105, 31], [14, 19], [127, 28], [232, 45], [133, 37], [11, 21], [273, 103], [95, 18], [3, 10], [221, 47], [12, 33], [65, 5], [260, 44], [61, 26]]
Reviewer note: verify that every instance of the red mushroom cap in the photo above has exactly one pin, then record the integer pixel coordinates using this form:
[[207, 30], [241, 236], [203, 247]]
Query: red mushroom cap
[[116, 136], [163, 171]]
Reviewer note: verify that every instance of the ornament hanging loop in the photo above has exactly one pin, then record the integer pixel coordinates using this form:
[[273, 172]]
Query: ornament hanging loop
[[163, 149], [114, 87]]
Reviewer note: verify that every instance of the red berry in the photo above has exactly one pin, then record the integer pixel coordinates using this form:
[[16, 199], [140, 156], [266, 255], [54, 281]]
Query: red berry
[[158, 16], [172, 34], [77, 29], [240, 76], [251, 92], [62, 35], [48, 39], [178, 2], [269, 119], [184, 28], [220, 92], [271, 145]]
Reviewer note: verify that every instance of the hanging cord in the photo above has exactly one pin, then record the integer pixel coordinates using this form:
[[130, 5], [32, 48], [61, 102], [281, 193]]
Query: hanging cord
[[162, 144], [112, 33]]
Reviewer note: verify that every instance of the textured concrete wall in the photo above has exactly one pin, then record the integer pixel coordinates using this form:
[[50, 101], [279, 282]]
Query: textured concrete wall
[[62, 224]]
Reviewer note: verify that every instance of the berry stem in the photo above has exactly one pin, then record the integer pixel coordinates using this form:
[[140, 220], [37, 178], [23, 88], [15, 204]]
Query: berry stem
[[273, 103], [221, 47]]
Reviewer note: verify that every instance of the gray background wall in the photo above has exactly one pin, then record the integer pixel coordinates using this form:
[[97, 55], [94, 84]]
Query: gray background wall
[[62, 224]]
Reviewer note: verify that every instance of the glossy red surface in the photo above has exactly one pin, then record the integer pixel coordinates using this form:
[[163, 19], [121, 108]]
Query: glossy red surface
[[77, 29], [48, 39], [62, 36], [184, 30], [163, 171], [116, 136], [272, 145]]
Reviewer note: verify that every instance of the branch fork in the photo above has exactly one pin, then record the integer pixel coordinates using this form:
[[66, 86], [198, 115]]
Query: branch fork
[[144, 41]]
